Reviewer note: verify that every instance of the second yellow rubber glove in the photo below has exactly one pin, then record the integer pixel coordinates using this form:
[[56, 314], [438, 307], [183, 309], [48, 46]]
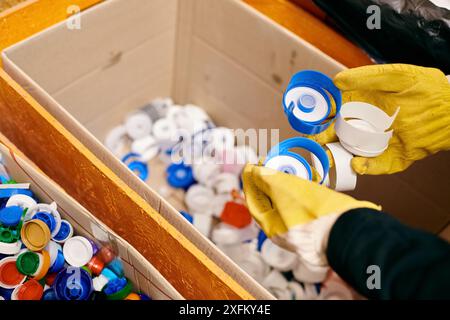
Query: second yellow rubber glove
[[279, 201], [422, 127]]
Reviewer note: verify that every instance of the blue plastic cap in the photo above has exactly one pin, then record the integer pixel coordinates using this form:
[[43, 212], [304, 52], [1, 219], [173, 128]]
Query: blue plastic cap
[[6, 293], [261, 238], [115, 285], [180, 176], [58, 265], [73, 284], [64, 231], [95, 248], [47, 218], [117, 267], [49, 295], [187, 216], [140, 168], [109, 274], [144, 297], [10, 216], [8, 193]]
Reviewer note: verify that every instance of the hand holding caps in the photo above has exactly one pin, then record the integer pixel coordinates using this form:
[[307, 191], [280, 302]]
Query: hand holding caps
[[422, 126], [279, 201]]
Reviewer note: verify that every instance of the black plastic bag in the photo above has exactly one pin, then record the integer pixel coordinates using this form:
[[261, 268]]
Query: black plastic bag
[[411, 31]]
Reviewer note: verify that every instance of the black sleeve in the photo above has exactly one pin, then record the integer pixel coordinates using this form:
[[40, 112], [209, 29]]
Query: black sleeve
[[413, 264]]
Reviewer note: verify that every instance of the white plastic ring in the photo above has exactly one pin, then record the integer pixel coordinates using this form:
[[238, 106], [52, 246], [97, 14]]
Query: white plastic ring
[[10, 248], [361, 128], [164, 130], [289, 165], [226, 183], [309, 98], [146, 147], [21, 200]]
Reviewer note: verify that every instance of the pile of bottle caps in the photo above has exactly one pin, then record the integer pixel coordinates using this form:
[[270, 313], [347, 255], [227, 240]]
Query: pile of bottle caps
[[42, 259], [205, 161]]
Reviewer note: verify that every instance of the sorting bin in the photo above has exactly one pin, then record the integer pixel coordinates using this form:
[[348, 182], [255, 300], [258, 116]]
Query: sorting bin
[[144, 277]]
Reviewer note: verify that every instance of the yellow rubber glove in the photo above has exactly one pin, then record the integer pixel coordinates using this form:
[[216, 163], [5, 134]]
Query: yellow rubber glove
[[279, 201], [422, 127], [298, 215]]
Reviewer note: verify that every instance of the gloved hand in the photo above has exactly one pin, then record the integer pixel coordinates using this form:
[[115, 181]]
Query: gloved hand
[[422, 126], [296, 214]]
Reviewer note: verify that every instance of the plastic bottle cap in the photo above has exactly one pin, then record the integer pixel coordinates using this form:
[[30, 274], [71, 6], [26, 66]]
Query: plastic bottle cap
[[52, 248], [138, 167], [10, 216], [275, 280], [133, 296], [226, 182], [10, 248], [115, 140], [117, 267], [47, 218], [282, 159], [46, 208], [187, 216], [252, 263], [118, 289], [10, 276], [95, 248], [21, 200], [307, 104], [96, 265], [49, 295], [44, 267], [77, 251], [236, 214], [180, 176], [164, 130], [203, 223], [8, 193], [146, 147], [198, 199], [206, 171], [65, 232], [30, 290], [28, 263], [35, 235], [277, 257], [50, 278], [58, 264], [100, 282], [106, 254], [138, 125], [73, 284]]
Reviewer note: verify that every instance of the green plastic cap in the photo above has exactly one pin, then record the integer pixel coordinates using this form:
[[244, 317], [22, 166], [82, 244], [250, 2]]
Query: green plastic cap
[[27, 263]]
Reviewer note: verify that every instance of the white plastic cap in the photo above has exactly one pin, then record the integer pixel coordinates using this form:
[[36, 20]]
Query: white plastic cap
[[47, 208], [146, 147], [226, 183], [99, 282], [116, 140], [198, 199], [77, 251], [203, 223], [206, 171], [138, 125], [277, 257]]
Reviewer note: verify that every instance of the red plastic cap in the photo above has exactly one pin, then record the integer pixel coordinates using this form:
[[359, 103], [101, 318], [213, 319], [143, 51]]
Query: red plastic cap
[[236, 214], [30, 290]]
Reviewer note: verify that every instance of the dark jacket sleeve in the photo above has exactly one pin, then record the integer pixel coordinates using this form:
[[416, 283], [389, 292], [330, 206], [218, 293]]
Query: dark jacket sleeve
[[412, 264]]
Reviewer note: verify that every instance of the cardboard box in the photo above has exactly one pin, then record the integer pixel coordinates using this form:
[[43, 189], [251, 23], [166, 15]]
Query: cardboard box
[[138, 270], [220, 54]]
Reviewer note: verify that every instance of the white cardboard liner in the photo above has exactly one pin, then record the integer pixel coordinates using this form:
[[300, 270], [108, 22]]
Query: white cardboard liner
[[138, 270], [361, 128]]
